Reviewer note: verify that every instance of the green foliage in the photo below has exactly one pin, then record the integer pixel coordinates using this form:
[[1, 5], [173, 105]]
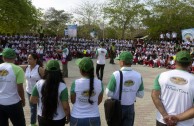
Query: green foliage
[[84, 31], [124, 14], [88, 13], [55, 21], [169, 15], [17, 16]]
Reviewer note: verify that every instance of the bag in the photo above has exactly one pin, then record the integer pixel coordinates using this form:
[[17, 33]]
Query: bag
[[113, 108], [113, 112], [69, 56]]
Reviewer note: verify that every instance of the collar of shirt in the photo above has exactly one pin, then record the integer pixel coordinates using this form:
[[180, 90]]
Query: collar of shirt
[[126, 69]]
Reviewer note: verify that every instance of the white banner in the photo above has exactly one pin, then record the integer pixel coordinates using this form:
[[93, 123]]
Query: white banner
[[188, 34], [72, 30]]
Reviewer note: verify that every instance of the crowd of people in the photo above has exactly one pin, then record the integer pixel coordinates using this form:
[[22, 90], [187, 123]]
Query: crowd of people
[[154, 54], [48, 94]]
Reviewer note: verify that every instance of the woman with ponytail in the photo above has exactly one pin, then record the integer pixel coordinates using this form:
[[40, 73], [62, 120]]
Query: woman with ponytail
[[86, 95], [52, 95]]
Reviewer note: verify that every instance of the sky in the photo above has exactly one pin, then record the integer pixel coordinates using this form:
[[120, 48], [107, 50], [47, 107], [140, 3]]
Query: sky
[[66, 5]]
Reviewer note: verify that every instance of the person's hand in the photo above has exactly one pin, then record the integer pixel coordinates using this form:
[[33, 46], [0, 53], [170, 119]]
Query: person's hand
[[171, 120], [67, 119], [23, 103]]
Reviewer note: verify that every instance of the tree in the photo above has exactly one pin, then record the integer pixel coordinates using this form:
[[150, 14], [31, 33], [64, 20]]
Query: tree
[[55, 21], [88, 13], [169, 15], [17, 16], [124, 13]]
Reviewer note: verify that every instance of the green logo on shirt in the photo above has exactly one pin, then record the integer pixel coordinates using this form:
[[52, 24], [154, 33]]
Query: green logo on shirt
[[3, 72], [86, 93], [178, 80], [129, 83]]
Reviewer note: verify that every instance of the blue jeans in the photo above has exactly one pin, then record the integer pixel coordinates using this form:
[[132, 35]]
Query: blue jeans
[[33, 111], [128, 115], [93, 121]]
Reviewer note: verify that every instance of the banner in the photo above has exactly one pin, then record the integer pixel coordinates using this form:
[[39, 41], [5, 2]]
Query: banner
[[188, 34], [93, 34], [66, 32], [72, 30]]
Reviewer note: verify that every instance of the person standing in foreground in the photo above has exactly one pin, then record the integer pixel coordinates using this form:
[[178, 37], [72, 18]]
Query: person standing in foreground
[[173, 91], [12, 98], [52, 95], [33, 73], [132, 87], [101, 54], [86, 95]]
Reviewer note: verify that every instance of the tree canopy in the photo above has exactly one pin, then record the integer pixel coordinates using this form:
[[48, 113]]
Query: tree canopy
[[54, 21], [124, 14], [17, 16], [169, 15]]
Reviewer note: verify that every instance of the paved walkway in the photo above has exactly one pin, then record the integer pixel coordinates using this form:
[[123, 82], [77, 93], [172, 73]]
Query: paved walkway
[[144, 108]]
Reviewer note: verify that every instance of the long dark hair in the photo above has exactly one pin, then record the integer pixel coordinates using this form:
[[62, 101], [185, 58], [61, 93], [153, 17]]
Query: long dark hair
[[91, 75], [35, 56], [50, 93]]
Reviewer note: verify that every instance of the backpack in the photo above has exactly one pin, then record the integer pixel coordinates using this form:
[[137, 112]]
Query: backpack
[[69, 56]]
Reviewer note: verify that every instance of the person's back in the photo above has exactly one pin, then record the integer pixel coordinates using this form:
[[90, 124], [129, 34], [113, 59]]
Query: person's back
[[173, 90], [132, 87], [101, 54], [11, 90], [82, 108], [86, 95], [52, 97], [132, 83], [176, 84], [101, 57], [8, 92], [60, 114]]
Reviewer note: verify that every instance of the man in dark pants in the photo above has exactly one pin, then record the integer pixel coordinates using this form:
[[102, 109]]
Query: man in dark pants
[[112, 53], [11, 90], [132, 87], [65, 53], [101, 54]]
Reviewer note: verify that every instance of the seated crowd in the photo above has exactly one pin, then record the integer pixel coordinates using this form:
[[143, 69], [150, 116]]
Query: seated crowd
[[152, 54]]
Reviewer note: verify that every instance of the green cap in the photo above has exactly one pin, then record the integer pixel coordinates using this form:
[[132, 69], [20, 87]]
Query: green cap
[[9, 53], [85, 64], [125, 56], [52, 65], [183, 57]]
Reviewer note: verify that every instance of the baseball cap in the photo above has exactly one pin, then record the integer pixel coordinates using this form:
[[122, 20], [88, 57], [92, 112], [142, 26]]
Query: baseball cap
[[85, 64], [125, 56], [52, 65], [9, 53], [183, 57]]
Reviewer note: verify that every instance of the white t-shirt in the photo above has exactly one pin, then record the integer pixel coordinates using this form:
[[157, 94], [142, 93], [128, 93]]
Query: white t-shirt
[[101, 53], [177, 93], [60, 112], [132, 86], [82, 108], [10, 76], [32, 76]]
